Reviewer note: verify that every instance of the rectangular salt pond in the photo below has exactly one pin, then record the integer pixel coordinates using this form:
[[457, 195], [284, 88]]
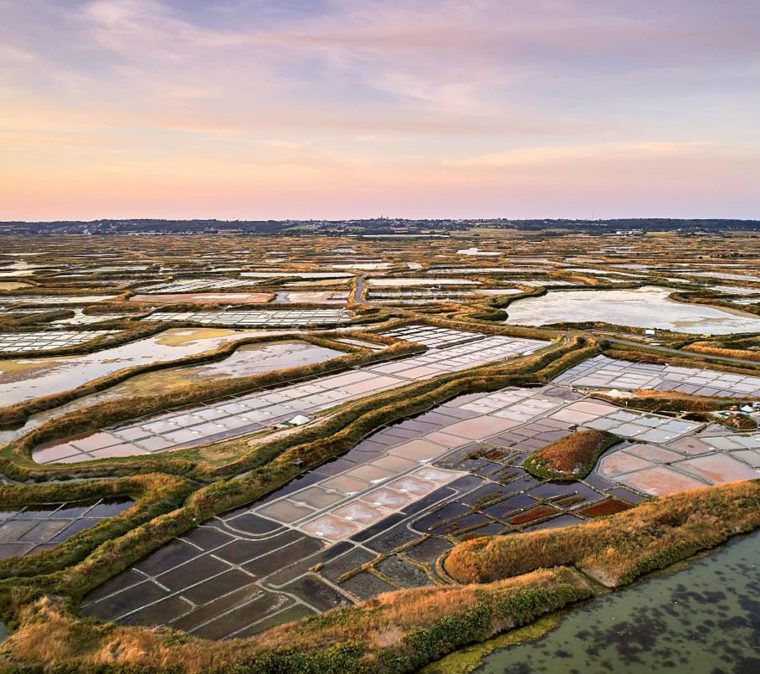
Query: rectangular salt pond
[[265, 409], [609, 373], [47, 341], [311, 297], [498, 291], [724, 275], [546, 282], [399, 282], [432, 337], [316, 275], [420, 296], [194, 285], [57, 299], [203, 298], [647, 307], [365, 266], [267, 318], [34, 528], [488, 270], [308, 546]]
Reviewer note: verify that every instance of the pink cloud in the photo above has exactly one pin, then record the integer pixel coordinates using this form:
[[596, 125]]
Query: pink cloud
[[478, 105]]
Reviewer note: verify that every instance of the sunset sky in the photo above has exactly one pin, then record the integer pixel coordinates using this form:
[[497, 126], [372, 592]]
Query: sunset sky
[[360, 108]]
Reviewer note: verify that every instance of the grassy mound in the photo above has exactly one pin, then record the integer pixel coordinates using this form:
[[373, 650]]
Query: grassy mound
[[395, 633], [571, 457], [617, 549], [401, 631]]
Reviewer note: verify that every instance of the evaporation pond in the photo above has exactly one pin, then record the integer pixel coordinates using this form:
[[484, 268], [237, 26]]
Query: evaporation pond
[[247, 360], [647, 307], [26, 378]]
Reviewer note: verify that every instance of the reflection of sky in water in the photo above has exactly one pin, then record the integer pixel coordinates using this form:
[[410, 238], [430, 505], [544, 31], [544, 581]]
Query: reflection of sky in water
[[644, 308], [702, 620], [247, 360], [24, 379]]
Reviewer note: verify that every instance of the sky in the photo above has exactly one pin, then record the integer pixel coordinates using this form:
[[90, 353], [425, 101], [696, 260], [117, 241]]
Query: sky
[[257, 109]]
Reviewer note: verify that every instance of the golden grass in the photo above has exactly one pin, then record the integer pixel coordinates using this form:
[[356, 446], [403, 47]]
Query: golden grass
[[642, 355], [49, 634], [571, 457], [399, 630], [709, 350], [617, 549], [508, 586], [671, 401]]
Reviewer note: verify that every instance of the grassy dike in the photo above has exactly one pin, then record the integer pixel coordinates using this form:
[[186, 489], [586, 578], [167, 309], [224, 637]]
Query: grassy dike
[[460, 322], [275, 467], [489, 310], [15, 459], [355, 420], [14, 321], [617, 549], [395, 633], [668, 401], [153, 493], [712, 349], [520, 579], [712, 299], [16, 415], [640, 354]]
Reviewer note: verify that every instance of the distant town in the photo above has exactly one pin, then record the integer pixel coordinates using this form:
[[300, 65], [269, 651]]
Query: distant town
[[373, 226]]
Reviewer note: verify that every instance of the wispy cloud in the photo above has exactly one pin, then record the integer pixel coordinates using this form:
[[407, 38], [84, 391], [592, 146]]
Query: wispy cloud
[[410, 92], [621, 151]]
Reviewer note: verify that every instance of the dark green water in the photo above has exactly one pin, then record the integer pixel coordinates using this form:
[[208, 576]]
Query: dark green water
[[704, 619]]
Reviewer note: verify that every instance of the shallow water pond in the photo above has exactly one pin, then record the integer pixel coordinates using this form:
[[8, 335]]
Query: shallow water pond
[[311, 297], [247, 360], [702, 619], [23, 379], [647, 307], [202, 298]]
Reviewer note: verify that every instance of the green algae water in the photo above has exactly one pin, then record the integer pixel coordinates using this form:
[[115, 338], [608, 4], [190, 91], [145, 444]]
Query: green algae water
[[703, 618]]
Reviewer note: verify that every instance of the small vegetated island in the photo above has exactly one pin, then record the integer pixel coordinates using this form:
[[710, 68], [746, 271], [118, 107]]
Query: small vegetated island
[[339, 447], [570, 458]]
